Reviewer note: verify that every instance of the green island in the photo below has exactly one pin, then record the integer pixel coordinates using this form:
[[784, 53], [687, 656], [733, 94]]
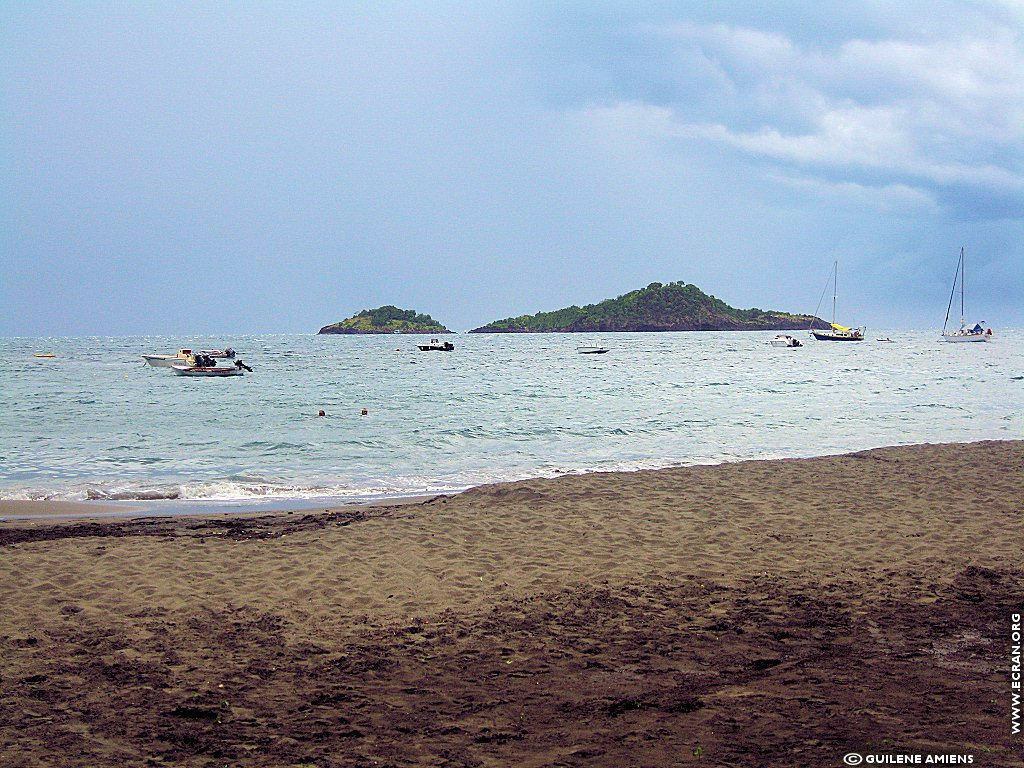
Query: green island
[[387, 319], [673, 307]]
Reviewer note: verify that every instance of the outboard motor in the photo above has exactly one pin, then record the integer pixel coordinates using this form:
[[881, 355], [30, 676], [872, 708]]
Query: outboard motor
[[240, 364]]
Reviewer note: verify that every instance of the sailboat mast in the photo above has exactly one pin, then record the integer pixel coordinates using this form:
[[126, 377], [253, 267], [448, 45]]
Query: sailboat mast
[[963, 278], [835, 288]]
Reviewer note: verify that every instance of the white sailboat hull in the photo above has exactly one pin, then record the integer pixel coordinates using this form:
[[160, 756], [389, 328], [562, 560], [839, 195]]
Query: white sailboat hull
[[958, 338]]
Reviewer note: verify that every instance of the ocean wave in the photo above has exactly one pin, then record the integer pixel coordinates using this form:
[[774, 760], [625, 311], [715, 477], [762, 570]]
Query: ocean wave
[[264, 488], [227, 491], [99, 494]]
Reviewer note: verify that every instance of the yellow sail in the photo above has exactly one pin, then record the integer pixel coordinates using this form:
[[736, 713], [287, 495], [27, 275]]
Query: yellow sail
[[839, 327]]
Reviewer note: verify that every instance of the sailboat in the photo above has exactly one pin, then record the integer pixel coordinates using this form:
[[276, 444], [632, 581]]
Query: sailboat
[[977, 333], [836, 332]]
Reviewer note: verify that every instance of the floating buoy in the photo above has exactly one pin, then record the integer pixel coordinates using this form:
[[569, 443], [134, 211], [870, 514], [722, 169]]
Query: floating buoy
[[322, 413], [363, 412]]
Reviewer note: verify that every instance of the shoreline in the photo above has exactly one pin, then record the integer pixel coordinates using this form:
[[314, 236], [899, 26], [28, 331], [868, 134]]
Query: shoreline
[[768, 612], [17, 511]]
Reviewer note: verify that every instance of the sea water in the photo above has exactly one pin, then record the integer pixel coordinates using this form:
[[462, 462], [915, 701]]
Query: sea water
[[95, 422]]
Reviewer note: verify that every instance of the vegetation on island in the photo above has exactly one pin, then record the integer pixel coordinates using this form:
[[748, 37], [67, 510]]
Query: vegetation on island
[[673, 307], [387, 319]]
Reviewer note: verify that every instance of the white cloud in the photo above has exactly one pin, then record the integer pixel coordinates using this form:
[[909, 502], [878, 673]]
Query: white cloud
[[973, 86], [750, 48], [889, 197], [869, 139], [943, 112]]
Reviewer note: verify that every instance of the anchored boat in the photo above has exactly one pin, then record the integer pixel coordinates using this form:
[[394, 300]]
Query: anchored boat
[[182, 356], [436, 346], [202, 365], [200, 371], [168, 361], [978, 332], [835, 332]]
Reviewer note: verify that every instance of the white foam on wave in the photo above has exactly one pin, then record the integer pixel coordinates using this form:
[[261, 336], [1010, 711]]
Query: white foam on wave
[[226, 491], [257, 488]]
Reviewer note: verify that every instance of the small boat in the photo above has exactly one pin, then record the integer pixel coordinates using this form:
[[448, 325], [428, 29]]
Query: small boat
[[203, 370], [886, 340], [436, 346], [44, 354], [182, 355], [785, 340], [204, 365], [978, 332], [220, 354], [591, 349], [168, 361], [835, 332], [839, 333]]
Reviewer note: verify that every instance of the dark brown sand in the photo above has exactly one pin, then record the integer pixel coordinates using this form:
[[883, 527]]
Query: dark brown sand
[[777, 613]]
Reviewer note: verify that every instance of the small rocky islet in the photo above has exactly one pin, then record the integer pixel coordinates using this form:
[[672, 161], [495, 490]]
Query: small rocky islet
[[386, 319]]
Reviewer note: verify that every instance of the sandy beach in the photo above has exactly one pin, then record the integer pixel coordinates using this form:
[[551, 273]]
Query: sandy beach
[[759, 613]]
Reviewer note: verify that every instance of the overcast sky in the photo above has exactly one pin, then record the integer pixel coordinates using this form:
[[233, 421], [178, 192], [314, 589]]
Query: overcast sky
[[258, 167]]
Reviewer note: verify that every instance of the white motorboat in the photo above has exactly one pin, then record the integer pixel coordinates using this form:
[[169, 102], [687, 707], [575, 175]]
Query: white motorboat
[[168, 361], [978, 332], [436, 346], [182, 356], [202, 364], [591, 349], [785, 340]]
